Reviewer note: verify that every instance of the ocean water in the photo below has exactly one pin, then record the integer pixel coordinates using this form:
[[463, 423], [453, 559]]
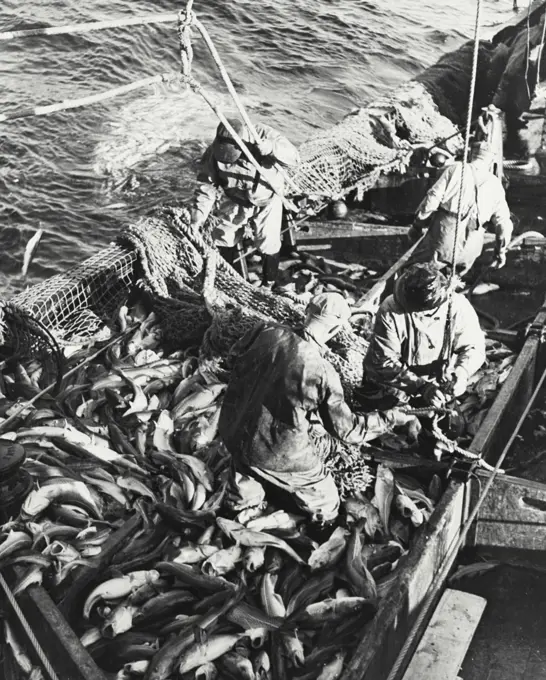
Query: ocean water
[[299, 65]]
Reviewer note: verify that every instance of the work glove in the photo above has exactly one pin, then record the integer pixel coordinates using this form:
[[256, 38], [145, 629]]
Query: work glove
[[397, 417], [499, 261], [433, 396]]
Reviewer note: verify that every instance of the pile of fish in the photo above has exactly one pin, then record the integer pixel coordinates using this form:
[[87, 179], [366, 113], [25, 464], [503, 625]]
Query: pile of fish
[[194, 590]]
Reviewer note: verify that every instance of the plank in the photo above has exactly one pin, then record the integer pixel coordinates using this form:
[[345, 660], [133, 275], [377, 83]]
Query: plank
[[442, 648], [377, 650], [70, 659], [513, 515]]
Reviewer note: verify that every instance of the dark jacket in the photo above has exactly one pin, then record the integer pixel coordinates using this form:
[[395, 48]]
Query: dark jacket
[[278, 381]]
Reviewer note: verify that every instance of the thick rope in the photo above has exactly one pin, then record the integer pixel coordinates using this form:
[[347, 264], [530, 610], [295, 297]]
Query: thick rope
[[88, 27], [92, 99], [454, 448], [458, 543], [448, 335], [196, 87], [235, 96], [184, 36], [540, 50]]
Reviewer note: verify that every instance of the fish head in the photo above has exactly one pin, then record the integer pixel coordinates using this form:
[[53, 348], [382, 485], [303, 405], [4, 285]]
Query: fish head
[[35, 503]]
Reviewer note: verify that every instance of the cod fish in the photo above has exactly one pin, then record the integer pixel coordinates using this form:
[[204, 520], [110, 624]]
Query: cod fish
[[117, 588], [384, 492], [30, 250], [361, 580], [215, 647], [332, 610], [327, 554], [251, 539], [332, 670], [222, 561], [60, 489]]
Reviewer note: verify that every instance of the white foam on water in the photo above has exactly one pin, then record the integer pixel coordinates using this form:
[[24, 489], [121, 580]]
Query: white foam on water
[[156, 123]]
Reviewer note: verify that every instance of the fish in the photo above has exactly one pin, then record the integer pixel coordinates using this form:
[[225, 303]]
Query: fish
[[201, 398], [375, 554], [254, 558], [119, 621], [118, 587], [327, 554], [238, 666], [293, 648], [207, 671], [215, 647], [13, 542], [59, 490], [194, 554], [108, 489], [91, 636], [19, 654], [30, 250], [311, 590], [275, 521], [193, 578], [272, 602], [223, 561], [136, 667], [363, 509], [333, 669], [244, 536], [262, 666], [360, 579], [135, 486], [164, 428], [384, 492], [164, 605], [407, 508], [333, 610], [32, 576]]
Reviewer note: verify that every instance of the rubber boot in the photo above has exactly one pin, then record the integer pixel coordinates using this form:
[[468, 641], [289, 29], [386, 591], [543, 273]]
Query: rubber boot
[[288, 236], [270, 270]]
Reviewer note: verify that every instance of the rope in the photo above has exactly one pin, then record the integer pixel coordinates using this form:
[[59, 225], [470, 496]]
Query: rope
[[194, 85], [184, 36], [88, 27], [458, 542], [92, 99], [28, 630], [454, 448], [528, 53], [448, 339], [540, 50], [235, 96]]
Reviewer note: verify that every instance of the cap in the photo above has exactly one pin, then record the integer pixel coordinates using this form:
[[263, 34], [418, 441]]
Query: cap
[[329, 308], [421, 287], [224, 148]]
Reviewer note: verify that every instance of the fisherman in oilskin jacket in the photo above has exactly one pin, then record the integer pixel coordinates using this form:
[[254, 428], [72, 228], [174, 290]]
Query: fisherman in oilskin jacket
[[406, 355], [483, 201], [252, 199], [279, 381]]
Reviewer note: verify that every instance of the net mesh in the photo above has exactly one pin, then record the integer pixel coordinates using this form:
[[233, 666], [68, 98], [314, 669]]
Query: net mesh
[[380, 137], [76, 305], [22, 337]]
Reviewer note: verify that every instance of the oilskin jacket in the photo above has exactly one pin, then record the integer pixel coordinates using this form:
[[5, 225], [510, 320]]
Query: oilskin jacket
[[279, 380], [407, 347], [483, 200], [240, 181]]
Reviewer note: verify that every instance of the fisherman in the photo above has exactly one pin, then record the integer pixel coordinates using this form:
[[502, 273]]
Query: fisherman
[[412, 343], [483, 200], [252, 200], [281, 381]]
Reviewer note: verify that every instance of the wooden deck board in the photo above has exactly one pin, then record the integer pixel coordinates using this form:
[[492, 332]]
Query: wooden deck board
[[443, 646]]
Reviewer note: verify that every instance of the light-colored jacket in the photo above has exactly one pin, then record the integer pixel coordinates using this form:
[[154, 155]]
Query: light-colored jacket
[[406, 346], [491, 205]]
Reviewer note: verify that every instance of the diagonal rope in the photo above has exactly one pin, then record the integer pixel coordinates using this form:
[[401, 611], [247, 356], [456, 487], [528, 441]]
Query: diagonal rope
[[448, 339]]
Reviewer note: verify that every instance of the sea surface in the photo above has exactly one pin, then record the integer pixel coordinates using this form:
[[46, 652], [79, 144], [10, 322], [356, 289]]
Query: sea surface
[[299, 65]]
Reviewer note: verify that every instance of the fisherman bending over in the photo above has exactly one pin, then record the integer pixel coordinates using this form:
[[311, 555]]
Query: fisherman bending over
[[252, 200], [280, 380], [483, 200], [409, 346]]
